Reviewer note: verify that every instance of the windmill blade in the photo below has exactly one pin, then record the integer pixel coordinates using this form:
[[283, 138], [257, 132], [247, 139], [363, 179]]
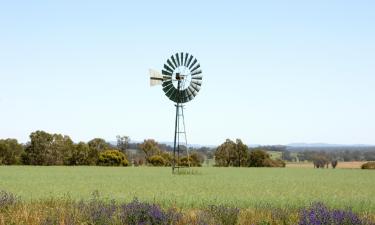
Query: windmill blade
[[189, 95], [170, 92], [174, 61], [196, 72], [155, 77], [191, 58], [194, 93], [166, 67], [178, 59], [196, 78], [195, 61], [170, 64], [195, 87], [168, 89], [197, 82], [182, 58], [166, 73], [195, 68], [186, 57]]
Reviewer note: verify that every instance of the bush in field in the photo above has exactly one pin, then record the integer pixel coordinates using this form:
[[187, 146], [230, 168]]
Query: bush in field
[[136, 212], [157, 160], [192, 160], [368, 165], [112, 158], [260, 158], [318, 213], [273, 163]]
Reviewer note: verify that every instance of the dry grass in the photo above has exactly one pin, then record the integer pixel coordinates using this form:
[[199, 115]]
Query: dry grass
[[340, 165]]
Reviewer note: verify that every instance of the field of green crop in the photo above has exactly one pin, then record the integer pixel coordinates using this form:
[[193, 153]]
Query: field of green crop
[[240, 187]]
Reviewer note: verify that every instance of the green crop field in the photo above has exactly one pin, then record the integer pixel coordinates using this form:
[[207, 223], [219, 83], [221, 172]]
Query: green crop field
[[240, 187]]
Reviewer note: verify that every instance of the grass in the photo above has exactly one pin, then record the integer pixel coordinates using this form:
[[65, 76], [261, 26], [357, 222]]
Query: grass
[[236, 187]]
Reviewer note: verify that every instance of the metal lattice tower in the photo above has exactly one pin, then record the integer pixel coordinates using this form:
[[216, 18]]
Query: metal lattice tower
[[181, 80]]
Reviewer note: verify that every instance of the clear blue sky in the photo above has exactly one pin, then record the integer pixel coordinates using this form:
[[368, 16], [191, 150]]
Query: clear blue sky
[[275, 72]]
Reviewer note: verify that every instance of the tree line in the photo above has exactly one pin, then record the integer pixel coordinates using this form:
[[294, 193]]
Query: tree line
[[57, 149]]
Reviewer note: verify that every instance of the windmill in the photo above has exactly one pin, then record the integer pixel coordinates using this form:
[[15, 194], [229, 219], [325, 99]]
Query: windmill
[[181, 80]]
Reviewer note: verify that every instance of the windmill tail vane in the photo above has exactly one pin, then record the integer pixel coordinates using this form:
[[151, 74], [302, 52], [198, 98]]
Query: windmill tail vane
[[181, 80]]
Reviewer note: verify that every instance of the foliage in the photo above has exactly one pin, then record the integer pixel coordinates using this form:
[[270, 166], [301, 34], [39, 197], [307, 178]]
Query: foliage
[[368, 165], [10, 152], [80, 155], [258, 158], [48, 149], [137, 212], [97, 145], [318, 214], [123, 143], [112, 158], [98, 211], [224, 215], [150, 148], [193, 160], [157, 160], [231, 153]]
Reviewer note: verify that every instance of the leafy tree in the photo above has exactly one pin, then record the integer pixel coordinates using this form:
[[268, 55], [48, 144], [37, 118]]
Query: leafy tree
[[225, 153], [80, 154], [122, 143], [10, 152], [150, 148], [112, 158], [257, 158], [48, 149], [241, 154], [97, 145]]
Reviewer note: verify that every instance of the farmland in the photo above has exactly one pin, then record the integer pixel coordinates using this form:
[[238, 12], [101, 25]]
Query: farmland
[[236, 187]]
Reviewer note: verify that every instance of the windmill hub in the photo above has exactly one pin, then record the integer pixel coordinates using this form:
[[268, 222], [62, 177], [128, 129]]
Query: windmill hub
[[181, 80]]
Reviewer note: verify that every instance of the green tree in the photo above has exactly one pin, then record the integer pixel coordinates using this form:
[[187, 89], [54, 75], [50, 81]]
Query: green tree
[[225, 153], [97, 145], [48, 149], [123, 143], [257, 158], [10, 152], [241, 154], [80, 154], [150, 148], [112, 158]]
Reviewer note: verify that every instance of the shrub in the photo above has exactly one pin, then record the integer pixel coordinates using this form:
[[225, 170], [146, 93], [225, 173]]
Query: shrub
[[7, 199], [260, 158], [193, 160], [136, 212], [318, 213], [157, 160], [112, 158], [224, 215], [368, 165]]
